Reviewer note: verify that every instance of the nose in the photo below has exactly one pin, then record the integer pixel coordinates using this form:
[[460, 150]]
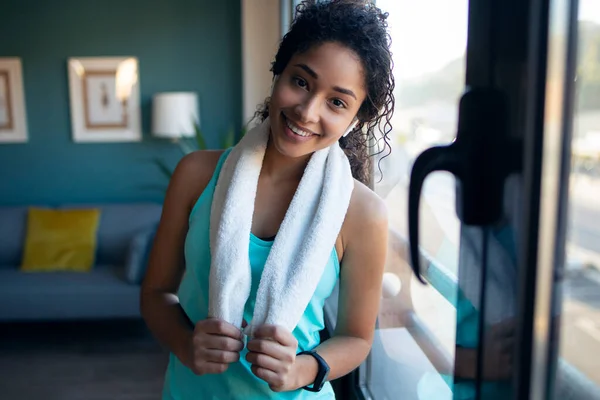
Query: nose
[[307, 111]]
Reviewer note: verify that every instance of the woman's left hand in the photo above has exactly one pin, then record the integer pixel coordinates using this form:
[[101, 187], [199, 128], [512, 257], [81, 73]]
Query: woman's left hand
[[272, 353]]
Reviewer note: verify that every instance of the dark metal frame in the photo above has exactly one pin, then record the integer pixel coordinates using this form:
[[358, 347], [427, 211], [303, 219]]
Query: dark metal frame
[[554, 51]]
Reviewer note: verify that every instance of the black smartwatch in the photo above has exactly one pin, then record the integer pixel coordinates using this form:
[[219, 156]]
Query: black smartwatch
[[322, 374]]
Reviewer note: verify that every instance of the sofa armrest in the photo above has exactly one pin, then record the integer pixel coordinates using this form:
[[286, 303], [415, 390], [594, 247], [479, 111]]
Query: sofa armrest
[[138, 253]]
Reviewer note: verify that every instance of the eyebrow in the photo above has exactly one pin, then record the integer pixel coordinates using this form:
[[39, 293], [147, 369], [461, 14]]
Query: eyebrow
[[312, 73]]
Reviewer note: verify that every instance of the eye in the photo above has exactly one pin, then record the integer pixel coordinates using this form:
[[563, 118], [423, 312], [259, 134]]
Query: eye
[[300, 82], [337, 103]]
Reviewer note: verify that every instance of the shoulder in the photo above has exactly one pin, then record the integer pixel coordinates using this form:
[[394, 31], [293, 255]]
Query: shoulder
[[366, 207], [198, 164], [366, 219], [193, 173]]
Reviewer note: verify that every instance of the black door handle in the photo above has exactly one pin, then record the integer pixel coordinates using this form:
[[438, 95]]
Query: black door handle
[[481, 157], [440, 158]]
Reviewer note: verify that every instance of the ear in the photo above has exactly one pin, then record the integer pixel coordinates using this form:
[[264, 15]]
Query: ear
[[351, 127]]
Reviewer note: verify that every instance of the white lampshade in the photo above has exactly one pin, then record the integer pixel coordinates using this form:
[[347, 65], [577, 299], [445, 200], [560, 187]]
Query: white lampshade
[[174, 114]]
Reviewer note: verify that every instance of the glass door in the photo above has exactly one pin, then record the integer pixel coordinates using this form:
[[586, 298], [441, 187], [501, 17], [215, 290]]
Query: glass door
[[484, 92], [414, 348]]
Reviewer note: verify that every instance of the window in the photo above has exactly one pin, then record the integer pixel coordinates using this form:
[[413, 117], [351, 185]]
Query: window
[[413, 352]]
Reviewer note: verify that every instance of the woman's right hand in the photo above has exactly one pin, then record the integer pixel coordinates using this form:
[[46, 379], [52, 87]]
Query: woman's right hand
[[214, 345], [498, 354]]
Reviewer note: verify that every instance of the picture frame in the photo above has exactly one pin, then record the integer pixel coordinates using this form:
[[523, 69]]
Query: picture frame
[[13, 115], [105, 99]]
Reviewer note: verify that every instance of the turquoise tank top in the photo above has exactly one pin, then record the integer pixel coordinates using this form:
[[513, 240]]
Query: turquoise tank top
[[238, 382]]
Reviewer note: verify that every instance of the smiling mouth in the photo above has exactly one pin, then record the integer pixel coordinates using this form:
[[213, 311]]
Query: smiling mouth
[[296, 129]]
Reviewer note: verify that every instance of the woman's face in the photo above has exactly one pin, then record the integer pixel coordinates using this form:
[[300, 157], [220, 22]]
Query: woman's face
[[315, 99]]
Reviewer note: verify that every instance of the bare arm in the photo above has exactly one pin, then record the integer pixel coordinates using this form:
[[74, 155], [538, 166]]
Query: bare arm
[[159, 303], [360, 289]]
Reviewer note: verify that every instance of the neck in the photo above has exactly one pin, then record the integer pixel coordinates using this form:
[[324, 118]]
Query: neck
[[280, 168]]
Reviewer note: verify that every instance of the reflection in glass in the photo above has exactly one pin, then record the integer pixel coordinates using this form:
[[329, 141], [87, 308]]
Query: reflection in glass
[[414, 347]]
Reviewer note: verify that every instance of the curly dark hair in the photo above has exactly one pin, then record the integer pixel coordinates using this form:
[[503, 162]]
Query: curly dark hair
[[362, 27]]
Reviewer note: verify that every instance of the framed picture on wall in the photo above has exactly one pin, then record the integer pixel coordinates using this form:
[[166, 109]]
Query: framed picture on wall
[[13, 118], [105, 99]]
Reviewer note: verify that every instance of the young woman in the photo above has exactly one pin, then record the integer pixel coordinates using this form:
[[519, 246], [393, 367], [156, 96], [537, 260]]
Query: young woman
[[332, 83]]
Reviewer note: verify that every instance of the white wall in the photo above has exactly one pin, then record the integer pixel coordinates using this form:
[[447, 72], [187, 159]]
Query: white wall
[[260, 37]]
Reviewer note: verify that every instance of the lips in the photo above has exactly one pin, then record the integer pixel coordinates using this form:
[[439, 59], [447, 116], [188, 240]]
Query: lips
[[297, 129], [294, 134]]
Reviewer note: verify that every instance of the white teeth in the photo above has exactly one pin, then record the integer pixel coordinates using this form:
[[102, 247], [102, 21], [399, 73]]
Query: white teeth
[[296, 130]]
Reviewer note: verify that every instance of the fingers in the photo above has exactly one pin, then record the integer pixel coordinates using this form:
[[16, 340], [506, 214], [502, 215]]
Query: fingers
[[219, 327], [265, 361], [507, 345], [215, 345], [219, 356], [214, 342], [272, 349], [504, 328], [277, 333], [272, 354], [504, 367], [498, 368], [207, 367], [274, 380]]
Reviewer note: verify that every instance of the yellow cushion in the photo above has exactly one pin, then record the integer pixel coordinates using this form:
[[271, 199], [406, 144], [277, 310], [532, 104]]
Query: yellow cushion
[[60, 240]]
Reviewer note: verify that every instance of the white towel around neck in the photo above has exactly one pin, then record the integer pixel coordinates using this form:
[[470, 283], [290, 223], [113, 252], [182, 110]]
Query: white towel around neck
[[303, 243]]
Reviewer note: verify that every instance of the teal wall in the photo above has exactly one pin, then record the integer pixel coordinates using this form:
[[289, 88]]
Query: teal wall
[[180, 44]]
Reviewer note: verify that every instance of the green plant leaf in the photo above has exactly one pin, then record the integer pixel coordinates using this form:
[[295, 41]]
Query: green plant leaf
[[200, 141], [186, 146], [229, 139]]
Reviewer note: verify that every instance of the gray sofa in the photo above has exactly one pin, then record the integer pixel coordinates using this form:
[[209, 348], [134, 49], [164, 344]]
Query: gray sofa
[[110, 290]]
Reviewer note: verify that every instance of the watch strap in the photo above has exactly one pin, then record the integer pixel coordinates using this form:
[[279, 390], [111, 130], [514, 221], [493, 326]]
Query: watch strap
[[323, 371]]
